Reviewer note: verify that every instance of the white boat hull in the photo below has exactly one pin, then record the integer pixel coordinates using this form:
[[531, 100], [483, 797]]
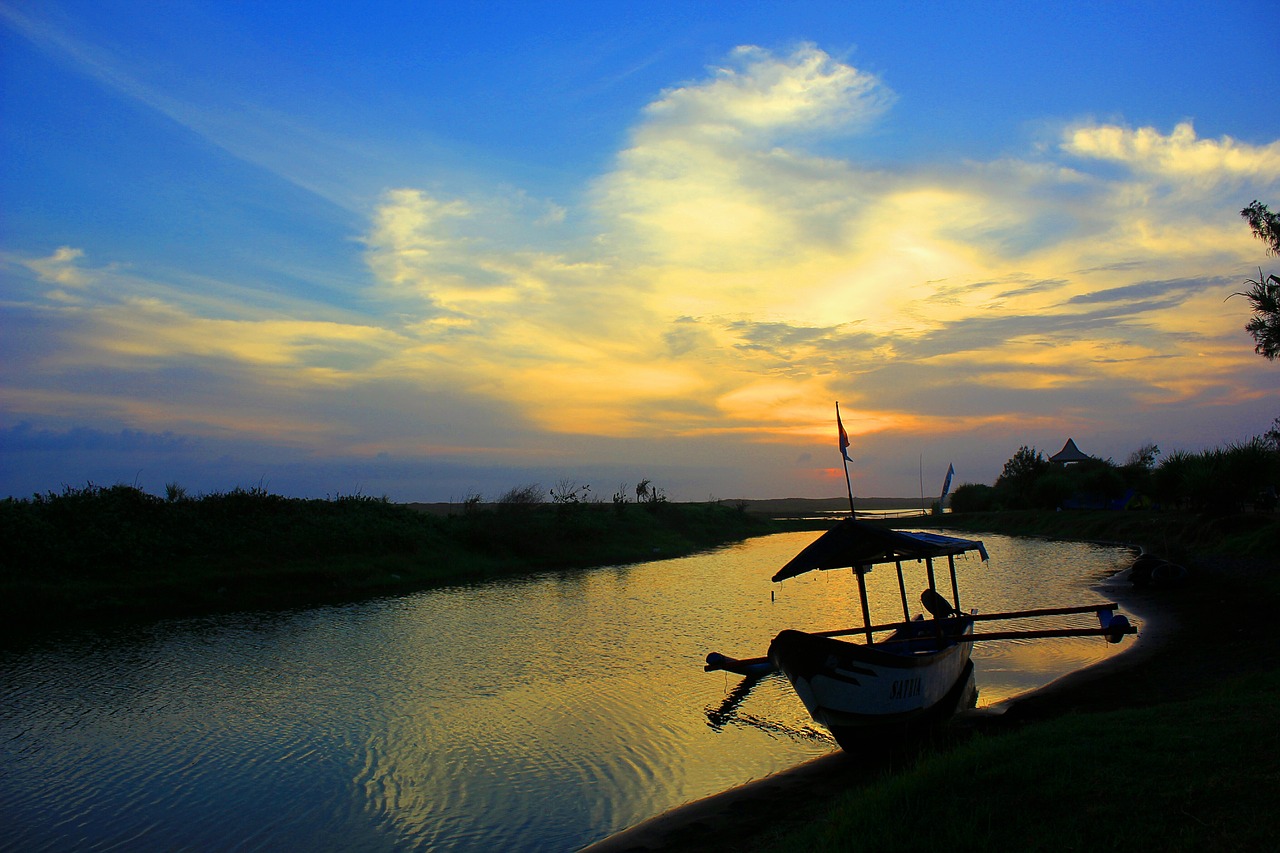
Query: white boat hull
[[849, 685]]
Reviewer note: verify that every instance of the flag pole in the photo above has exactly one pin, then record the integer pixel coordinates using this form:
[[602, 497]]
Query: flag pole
[[853, 513], [923, 510], [844, 455]]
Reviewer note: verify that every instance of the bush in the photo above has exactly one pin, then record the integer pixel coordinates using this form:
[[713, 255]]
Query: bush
[[1225, 479], [973, 497], [1053, 490], [527, 495]]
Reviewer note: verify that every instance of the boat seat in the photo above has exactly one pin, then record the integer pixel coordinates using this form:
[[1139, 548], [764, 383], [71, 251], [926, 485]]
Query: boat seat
[[936, 604]]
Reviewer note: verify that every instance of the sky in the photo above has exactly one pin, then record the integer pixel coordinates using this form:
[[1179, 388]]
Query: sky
[[442, 250]]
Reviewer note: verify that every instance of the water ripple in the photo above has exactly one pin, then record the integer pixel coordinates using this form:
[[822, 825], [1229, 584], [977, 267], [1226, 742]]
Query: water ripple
[[532, 715]]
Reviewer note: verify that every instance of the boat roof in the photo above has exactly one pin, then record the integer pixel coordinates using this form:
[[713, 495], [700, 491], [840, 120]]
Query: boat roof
[[854, 543]]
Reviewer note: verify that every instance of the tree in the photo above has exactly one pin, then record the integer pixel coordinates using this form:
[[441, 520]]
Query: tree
[[1144, 457], [646, 493], [1264, 224], [1138, 469], [569, 492], [1272, 436], [1019, 476], [1264, 293], [1027, 464]]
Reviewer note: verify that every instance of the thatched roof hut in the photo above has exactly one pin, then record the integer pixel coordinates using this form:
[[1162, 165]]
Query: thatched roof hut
[[1068, 454]]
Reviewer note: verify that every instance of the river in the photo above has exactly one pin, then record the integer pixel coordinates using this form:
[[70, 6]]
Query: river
[[542, 713]]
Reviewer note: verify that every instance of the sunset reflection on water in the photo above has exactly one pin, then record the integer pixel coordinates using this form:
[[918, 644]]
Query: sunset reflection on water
[[536, 713]]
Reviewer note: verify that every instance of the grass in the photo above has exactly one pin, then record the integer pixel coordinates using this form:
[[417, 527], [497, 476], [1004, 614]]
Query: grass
[[1181, 753], [99, 553], [1174, 535], [1192, 775], [1178, 753]]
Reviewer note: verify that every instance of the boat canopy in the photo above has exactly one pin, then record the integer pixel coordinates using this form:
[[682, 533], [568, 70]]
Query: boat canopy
[[852, 543]]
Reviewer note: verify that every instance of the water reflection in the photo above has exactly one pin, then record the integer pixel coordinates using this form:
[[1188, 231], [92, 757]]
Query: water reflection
[[538, 714], [729, 712]]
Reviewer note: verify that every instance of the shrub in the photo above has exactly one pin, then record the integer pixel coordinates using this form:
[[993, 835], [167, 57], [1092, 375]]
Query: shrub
[[973, 497], [529, 494]]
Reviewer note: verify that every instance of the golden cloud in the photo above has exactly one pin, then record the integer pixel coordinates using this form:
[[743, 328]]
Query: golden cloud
[[715, 223], [758, 92], [1179, 155], [736, 281]]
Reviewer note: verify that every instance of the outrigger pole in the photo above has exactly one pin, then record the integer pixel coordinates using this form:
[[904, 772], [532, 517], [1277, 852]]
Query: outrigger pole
[[978, 617], [844, 454], [1112, 626]]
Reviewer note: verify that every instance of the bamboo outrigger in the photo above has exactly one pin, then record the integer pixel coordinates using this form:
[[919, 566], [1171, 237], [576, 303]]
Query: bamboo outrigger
[[917, 670]]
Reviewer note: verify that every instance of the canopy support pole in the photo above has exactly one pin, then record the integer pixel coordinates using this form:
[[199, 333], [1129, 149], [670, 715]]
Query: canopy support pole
[[933, 586], [955, 587], [860, 571], [902, 590]]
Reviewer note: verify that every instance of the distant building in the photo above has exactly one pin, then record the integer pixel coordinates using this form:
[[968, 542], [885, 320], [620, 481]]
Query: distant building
[[1068, 454]]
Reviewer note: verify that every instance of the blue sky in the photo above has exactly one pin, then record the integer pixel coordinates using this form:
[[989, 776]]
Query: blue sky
[[438, 251]]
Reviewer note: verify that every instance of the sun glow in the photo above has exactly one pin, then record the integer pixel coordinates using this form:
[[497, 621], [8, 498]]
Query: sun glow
[[699, 261]]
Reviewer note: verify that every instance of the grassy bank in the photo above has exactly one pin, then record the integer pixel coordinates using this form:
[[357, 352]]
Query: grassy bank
[[1174, 535], [1187, 776], [1179, 752], [107, 553], [1171, 746]]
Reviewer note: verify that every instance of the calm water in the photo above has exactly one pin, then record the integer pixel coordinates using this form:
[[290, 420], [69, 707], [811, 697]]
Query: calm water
[[538, 714]]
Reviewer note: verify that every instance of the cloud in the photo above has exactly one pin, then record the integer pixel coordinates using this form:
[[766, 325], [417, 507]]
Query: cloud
[[25, 437], [61, 268], [411, 247], [717, 279], [704, 182], [1179, 156], [758, 96], [140, 350], [1175, 290], [155, 331]]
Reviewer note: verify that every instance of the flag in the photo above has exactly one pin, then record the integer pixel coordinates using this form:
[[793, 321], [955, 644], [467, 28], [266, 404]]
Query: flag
[[946, 484], [844, 436]]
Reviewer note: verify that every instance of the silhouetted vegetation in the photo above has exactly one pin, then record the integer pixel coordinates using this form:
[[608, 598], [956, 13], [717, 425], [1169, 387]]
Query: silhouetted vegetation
[[1187, 733], [117, 550], [1239, 476], [1264, 293], [1037, 788]]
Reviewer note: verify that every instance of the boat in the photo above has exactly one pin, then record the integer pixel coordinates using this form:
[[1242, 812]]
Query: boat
[[902, 675]]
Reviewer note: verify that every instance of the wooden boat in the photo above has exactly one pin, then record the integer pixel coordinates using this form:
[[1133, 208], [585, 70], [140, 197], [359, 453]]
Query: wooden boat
[[917, 673]]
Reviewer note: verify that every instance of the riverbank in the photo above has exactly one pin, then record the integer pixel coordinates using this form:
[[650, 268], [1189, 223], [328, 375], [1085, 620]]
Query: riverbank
[[1177, 536], [1170, 745], [110, 554]]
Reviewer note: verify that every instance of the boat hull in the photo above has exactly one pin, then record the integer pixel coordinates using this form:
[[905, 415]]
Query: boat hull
[[849, 686]]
